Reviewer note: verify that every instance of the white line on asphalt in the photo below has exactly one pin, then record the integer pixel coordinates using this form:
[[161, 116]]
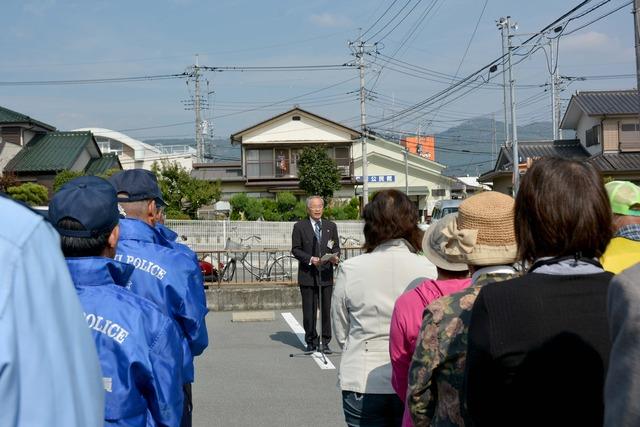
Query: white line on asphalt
[[299, 331]]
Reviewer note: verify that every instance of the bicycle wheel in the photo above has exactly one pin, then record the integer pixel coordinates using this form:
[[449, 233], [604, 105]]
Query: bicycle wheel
[[282, 269], [228, 272]]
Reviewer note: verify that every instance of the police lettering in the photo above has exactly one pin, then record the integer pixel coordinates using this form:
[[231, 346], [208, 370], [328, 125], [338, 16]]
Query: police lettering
[[106, 327], [146, 266]]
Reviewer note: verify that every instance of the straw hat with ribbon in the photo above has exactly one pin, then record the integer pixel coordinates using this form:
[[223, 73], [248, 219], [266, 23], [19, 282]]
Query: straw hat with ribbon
[[483, 233]]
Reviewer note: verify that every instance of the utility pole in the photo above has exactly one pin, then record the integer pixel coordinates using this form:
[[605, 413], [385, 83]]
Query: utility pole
[[493, 143], [554, 102], [636, 24], [406, 169], [507, 24], [199, 139], [502, 23], [197, 103], [358, 49]]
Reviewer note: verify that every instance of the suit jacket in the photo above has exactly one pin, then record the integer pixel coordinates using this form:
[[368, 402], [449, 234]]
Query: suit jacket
[[304, 245], [622, 387]]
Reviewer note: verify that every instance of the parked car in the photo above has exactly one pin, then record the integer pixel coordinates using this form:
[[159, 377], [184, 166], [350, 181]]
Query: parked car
[[444, 207]]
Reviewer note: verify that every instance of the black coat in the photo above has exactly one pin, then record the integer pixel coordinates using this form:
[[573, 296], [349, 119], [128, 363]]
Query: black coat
[[304, 245]]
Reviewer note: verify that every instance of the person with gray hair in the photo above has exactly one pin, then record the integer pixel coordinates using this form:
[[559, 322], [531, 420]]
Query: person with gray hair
[[316, 246]]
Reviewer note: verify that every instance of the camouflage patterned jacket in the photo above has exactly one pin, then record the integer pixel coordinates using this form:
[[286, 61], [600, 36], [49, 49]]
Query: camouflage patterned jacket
[[437, 368]]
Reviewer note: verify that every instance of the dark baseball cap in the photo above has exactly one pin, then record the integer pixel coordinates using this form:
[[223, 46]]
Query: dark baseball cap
[[134, 185], [89, 200]]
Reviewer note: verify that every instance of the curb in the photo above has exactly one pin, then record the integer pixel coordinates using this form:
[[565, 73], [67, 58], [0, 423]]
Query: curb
[[253, 298]]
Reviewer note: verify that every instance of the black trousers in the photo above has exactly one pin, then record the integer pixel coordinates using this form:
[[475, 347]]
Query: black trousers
[[187, 407], [310, 302]]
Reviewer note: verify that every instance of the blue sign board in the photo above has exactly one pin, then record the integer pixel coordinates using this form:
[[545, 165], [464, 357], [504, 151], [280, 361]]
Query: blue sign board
[[378, 178]]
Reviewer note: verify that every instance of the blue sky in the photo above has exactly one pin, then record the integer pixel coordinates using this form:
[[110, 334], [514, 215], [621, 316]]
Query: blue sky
[[83, 39]]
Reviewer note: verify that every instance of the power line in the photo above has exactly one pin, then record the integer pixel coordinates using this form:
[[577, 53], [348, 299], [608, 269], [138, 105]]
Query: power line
[[598, 18], [473, 77], [390, 21], [329, 67], [96, 80], [379, 18]]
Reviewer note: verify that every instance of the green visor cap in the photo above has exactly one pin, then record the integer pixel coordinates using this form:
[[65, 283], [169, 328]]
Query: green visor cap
[[624, 197]]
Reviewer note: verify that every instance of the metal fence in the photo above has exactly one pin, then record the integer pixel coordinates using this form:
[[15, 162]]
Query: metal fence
[[212, 235], [250, 266]]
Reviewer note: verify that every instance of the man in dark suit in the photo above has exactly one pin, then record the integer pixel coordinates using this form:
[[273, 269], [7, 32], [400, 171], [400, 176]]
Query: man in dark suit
[[312, 238]]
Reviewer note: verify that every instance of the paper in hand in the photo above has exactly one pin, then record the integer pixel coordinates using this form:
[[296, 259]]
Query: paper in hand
[[326, 257]]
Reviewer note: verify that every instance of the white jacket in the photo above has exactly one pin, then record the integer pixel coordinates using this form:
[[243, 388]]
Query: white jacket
[[366, 290]]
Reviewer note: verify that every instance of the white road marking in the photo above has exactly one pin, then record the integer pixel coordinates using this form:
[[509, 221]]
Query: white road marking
[[299, 331]]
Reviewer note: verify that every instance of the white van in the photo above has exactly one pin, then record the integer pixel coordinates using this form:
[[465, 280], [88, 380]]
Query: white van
[[444, 207]]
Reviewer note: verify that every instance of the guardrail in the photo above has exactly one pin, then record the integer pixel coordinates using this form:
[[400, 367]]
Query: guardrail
[[256, 266]]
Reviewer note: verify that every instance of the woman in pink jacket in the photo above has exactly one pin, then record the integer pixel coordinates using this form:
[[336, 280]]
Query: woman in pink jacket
[[407, 313]]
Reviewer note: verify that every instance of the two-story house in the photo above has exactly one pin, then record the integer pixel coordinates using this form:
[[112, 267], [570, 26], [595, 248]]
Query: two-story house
[[270, 151], [16, 130], [606, 124]]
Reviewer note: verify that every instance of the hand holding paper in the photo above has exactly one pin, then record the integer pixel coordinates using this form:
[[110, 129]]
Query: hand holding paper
[[329, 258]]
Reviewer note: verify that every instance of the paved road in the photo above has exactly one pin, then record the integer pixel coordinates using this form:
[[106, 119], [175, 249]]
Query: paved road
[[246, 378]]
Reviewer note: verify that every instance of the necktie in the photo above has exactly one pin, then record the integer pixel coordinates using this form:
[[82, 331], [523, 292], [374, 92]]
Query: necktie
[[318, 231]]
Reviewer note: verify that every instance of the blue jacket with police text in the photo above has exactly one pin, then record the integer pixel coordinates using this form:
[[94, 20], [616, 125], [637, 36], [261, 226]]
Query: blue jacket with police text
[[171, 237], [140, 348], [168, 278]]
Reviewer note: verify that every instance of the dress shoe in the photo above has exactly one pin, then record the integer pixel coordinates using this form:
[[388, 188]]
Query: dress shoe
[[311, 347], [326, 349]]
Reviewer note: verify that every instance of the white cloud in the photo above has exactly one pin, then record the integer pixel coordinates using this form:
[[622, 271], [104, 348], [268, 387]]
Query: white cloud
[[329, 20], [591, 40]]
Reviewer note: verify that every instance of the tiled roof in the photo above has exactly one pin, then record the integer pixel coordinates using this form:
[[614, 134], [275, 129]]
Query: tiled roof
[[565, 148], [10, 117], [102, 164], [609, 162], [54, 151], [608, 102]]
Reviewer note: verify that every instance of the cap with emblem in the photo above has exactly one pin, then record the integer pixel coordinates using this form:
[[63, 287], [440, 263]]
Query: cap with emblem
[[134, 185], [624, 197], [89, 200]]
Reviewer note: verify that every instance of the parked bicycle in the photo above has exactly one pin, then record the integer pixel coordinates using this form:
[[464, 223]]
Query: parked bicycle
[[275, 268], [350, 242]]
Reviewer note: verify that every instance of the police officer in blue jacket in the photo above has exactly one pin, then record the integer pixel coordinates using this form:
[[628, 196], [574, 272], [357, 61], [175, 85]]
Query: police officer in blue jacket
[[163, 275], [140, 348], [171, 236]]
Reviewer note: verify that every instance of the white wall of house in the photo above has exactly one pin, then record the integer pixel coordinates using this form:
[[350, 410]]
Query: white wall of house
[[7, 152], [135, 154], [585, 123], [388, 159], [82, 161], [186, 161], [300, 131]]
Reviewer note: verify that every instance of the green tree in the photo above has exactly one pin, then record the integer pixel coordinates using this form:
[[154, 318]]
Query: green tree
[[270, 211], [318, 172], [109, 172], [254, 210], [182, 193], [31, 193], [299, 212], [238, 206], [63, 177], [286, 201]]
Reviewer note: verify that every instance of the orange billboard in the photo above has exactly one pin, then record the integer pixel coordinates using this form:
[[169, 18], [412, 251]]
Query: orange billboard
[[423, 146]]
